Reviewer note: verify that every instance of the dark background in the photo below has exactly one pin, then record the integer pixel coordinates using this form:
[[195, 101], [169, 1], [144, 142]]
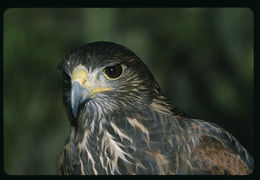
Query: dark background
[[201, 57]]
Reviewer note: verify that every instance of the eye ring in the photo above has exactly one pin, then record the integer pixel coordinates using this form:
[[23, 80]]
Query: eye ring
[[114, 72]]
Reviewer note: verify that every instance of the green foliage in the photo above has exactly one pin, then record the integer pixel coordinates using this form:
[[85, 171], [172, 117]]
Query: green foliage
[[201, 58]]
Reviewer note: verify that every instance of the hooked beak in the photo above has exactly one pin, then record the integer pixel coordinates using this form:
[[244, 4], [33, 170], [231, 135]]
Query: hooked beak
[[79, 94], [82, 90]]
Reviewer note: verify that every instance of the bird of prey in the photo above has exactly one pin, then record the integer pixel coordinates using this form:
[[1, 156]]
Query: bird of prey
[[121, 123]]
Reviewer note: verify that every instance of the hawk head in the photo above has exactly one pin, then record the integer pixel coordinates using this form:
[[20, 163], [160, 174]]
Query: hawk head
[[102, 79]]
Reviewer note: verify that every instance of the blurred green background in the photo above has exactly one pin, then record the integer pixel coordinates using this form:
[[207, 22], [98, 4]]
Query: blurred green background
[[201, 57]]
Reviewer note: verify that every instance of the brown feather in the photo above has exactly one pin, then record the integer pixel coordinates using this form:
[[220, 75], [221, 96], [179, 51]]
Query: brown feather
[[214, 153]]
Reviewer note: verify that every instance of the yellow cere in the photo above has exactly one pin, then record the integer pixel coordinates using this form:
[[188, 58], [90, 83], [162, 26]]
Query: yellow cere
[[97, 90], [81, 76]]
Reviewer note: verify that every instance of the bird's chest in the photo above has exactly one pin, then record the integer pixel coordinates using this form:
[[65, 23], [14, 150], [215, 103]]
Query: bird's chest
[[116, 150], [102, 153]]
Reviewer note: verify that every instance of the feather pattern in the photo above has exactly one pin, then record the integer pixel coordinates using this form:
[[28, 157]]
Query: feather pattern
[[133, 129]]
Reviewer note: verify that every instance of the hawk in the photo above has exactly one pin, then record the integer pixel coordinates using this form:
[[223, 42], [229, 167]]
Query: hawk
[[121, 123]]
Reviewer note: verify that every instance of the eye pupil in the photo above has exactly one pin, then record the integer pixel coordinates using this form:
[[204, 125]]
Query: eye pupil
[[114, 71]]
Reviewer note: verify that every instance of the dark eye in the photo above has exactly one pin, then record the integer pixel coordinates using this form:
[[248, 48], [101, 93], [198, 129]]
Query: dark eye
[[113, 72]]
